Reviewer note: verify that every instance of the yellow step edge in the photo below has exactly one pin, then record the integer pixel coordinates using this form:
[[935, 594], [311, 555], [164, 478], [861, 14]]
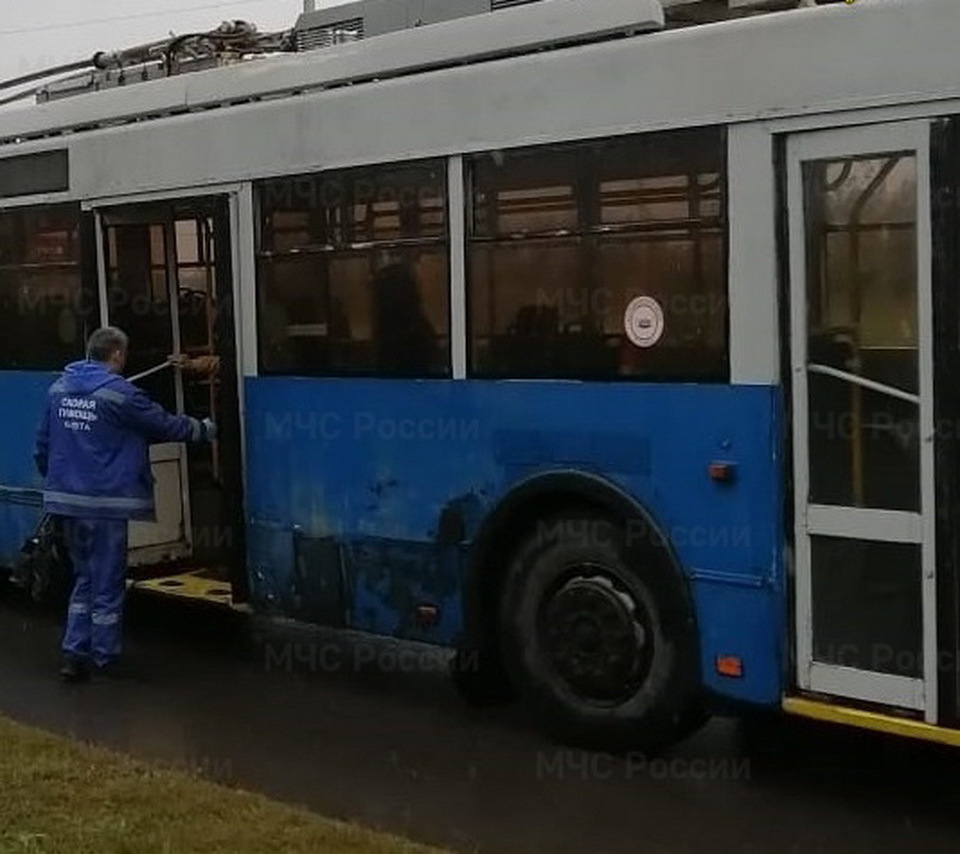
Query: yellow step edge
[[188, 585], [870, 720]]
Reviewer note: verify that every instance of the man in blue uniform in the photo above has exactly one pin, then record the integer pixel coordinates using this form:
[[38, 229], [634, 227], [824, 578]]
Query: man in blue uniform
[[93, 453]]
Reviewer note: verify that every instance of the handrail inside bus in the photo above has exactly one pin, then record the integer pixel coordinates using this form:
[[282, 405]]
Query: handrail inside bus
[[149, 372], [888, 390]]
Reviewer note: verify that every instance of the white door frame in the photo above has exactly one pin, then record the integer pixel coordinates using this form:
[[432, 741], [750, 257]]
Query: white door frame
[[856, 523], [168, 550]]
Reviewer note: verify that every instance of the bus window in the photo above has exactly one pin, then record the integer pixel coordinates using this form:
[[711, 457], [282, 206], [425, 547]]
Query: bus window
[[47, 314], [566, 240], [353, 273]]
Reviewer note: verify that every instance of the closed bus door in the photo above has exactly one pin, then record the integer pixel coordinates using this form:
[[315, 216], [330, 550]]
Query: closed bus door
[[862, 387]]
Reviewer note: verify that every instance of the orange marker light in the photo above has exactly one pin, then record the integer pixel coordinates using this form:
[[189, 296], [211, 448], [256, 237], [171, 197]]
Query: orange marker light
[[730, 665]]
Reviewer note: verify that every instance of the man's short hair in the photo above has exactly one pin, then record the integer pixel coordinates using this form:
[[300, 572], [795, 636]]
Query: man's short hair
[[105, 342]]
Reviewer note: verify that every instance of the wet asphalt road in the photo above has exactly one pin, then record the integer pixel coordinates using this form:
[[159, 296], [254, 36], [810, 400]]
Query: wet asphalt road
[[333, 724]]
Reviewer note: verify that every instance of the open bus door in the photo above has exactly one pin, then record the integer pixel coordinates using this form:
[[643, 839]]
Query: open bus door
[[167, 281]]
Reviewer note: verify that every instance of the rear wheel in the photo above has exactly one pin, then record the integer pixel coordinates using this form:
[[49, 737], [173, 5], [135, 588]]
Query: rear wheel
[[599, 637]]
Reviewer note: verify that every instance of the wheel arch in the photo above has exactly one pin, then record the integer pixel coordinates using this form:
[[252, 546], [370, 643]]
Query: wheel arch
[[535, 498]]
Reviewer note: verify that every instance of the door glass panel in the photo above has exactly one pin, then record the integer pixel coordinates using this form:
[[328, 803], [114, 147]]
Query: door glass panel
[[861, 217], [196, 277], [139, 304], [868, 605]]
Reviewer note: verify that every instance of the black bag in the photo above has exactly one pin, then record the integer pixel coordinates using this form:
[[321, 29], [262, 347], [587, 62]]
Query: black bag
[[43, 568]]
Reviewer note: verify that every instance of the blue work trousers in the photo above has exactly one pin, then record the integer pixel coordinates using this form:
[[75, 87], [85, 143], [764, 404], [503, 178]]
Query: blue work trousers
[[98, 550]]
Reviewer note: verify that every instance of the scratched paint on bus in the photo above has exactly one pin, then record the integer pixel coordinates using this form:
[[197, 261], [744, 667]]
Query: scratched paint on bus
[[371, 467]]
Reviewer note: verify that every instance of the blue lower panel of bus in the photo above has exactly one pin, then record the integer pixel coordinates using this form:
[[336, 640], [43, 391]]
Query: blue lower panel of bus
[[23, 395], [352, 486]]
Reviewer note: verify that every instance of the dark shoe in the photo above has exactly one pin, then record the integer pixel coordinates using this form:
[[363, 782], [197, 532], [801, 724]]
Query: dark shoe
[[74, 670]]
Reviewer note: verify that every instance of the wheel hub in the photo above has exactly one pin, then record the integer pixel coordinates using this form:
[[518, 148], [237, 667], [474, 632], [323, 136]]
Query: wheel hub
[[595, 638]]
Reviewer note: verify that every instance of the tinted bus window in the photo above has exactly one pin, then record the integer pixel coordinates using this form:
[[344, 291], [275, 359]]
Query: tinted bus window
[[47, 315], [353, 273], [600, 260]]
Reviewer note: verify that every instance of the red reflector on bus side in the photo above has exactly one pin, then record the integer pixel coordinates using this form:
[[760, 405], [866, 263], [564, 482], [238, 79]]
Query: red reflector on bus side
[[722, 471], [428, 615], [730, 665]]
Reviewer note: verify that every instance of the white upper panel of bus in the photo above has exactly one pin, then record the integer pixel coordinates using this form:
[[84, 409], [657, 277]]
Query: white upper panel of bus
[[843, 56]]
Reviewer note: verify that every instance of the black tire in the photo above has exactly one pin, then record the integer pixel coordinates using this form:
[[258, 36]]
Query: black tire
[[599, 637]]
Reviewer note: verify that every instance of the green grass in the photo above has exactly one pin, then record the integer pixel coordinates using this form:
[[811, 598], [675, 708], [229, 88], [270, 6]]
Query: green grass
[[60, 796]]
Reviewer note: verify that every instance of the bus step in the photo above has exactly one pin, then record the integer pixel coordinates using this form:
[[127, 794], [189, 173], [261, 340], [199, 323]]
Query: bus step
[[196, 584]]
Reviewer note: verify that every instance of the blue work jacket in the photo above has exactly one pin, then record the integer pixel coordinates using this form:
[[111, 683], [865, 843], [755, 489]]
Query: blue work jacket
[[93, 444]]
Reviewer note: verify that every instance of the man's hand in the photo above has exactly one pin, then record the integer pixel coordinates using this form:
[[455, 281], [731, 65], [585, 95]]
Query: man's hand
[[209, 429], [178, 361]]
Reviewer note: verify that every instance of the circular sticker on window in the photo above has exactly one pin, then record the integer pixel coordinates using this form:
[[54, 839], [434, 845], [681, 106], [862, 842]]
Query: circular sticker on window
[[643, 321]]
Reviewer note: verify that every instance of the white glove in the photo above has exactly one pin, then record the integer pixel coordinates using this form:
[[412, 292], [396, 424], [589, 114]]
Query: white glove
[[209, 429]]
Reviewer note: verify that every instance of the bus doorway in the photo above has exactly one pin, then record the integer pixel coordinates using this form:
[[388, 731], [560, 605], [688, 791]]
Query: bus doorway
[[167, 281], [863, 417]]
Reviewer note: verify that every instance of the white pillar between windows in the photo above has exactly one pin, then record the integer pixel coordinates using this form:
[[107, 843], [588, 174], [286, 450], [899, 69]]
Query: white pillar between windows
[[457, 216]]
